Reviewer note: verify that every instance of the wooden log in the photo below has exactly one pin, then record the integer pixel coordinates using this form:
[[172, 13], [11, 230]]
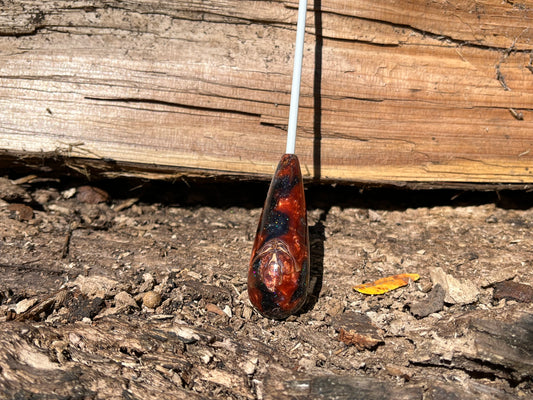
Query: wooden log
[[350, 387], [391, 92], [129, 357], [488, 344]]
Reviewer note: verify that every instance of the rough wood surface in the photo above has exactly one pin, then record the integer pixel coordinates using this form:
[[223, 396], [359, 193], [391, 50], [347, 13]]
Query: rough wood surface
[[406, 91], [137, 298]]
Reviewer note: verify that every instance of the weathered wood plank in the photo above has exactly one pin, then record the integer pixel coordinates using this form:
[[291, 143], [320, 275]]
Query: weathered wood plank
[[417, 91], [117, 357]]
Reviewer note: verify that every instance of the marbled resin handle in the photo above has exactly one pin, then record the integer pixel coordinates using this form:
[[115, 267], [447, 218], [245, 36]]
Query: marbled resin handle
[[278, 277]]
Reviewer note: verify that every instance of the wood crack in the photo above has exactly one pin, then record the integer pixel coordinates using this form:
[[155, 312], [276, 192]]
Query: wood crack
[[171, 104], [425, 33]]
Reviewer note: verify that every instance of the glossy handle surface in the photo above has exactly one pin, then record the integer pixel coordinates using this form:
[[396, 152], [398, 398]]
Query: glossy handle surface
[[278, 277]]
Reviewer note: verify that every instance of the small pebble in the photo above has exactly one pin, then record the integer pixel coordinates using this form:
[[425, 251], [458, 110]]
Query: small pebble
[[210, 307], [151, 299], [69, 193], [247, 312], [91, 195], [306, 363], [227, 311], [206, 357], [21, 211], [250, 366]]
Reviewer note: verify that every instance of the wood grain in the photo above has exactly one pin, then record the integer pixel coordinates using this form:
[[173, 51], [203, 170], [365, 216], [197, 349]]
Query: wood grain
[[391, 92]]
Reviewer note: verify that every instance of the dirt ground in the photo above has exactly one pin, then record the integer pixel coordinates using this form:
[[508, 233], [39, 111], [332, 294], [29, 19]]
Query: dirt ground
[[137, 290]]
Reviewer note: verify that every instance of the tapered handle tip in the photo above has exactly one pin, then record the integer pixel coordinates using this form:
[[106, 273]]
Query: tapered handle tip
[[278, 276]]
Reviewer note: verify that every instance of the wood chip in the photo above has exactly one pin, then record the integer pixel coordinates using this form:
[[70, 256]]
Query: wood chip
[[126, 204], [186, 335], [513, 290], [433, 303], [25, 305], [457, 291], [356, 329], [43, 307], [24, 179], [400, 372], [125, 300], [97, 286]]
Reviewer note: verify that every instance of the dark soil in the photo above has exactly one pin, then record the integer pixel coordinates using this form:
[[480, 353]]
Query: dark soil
[[137, 290]]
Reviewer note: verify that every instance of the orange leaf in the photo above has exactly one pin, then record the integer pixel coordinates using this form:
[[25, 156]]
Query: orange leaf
[[387, 284]]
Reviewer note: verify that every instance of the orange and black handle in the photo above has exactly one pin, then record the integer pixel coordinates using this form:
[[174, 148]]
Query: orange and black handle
[[278, 277]]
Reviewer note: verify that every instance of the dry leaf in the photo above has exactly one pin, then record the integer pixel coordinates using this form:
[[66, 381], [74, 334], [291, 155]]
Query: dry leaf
[[387, 284]]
